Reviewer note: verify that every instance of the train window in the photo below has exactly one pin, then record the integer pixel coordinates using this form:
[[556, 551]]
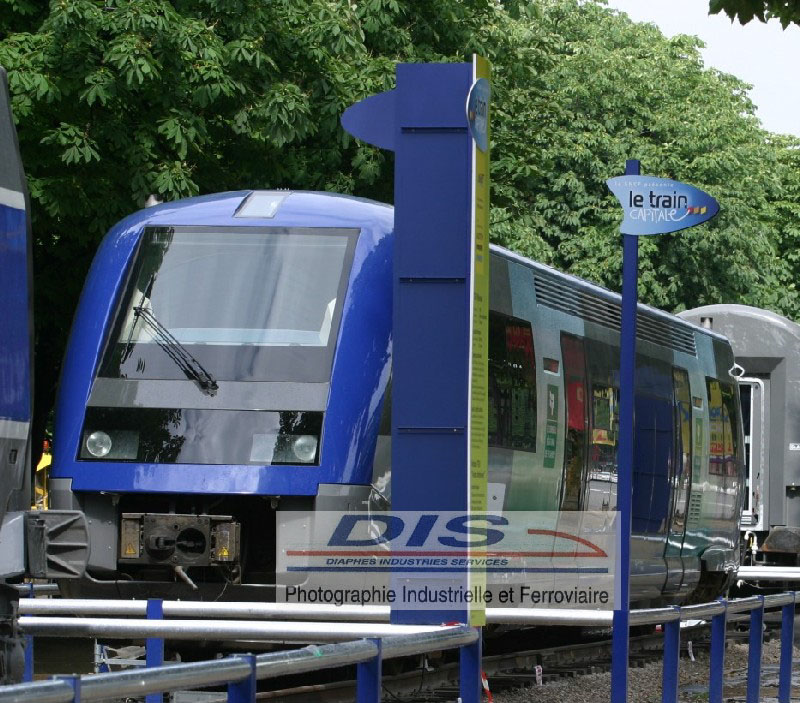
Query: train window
[[605, 429], [683, 421], [243, 303], [512, 383], [746, 403], [574, 356], [602, 361], [716, 457], [550, 365], [723, 437], [683, 447], [730, 415]]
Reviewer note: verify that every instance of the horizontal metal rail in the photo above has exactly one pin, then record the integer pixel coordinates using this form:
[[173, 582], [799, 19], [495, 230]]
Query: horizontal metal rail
[[37, 589], [353, 614], [117, 628], [744, 605], [769, 573], [702, 611], [197, 609], [386, 641], [172, 677]]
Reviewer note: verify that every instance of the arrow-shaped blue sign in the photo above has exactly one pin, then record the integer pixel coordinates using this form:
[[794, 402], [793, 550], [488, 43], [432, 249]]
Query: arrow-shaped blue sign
[[660, 205]]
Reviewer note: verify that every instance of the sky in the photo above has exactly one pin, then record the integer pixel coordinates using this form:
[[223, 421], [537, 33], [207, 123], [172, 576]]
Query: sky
[[763, 55]]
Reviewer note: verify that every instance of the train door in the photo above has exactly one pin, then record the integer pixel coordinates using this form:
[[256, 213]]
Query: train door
[[681, 482], [754, 396], [653, 471]]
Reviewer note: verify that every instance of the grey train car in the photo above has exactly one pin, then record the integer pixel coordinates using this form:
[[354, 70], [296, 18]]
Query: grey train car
[[767, 348]]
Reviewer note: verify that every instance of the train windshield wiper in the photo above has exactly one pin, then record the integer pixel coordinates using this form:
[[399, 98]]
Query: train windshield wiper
[[190, 366]]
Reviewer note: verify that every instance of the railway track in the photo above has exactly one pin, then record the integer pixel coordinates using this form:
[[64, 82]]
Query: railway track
[[520, 668]]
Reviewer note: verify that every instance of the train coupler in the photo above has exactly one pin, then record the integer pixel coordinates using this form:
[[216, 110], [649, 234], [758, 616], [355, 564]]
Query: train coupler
[[179, 540]]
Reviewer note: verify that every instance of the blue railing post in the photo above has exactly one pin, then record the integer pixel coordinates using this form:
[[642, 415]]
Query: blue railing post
[[368, 678], [154, 646], [470, 671], [74, 682], [754, 654], [244, 691], [27, 672], [787, 642], [717, 656], [672, 655]]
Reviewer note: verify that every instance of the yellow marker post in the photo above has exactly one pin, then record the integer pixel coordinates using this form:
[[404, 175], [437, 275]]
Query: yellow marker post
[[478, 117]]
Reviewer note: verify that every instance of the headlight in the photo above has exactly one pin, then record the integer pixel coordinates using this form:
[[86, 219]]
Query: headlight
[[305, 448], [276, 448], [110, 445], [98, 444]]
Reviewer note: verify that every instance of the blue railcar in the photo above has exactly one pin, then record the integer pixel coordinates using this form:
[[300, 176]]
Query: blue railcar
[[41, 544], [231, 356]]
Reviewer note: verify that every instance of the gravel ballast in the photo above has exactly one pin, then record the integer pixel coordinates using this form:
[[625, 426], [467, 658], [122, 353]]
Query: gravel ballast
[[644, 683]]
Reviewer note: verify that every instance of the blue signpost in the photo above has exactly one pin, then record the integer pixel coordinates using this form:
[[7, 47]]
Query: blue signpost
[[436, 122], [651, 206]]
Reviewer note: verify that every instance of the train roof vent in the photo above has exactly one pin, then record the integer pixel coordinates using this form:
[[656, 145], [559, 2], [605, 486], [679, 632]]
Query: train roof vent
[[555, 292]]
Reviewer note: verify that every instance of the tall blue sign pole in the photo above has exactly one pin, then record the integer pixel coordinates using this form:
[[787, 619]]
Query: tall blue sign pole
[[651, 206], [436, 122], [627, 380]]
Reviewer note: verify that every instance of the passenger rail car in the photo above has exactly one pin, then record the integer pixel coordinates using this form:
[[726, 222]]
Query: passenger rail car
[[231, 355], [767, 347]]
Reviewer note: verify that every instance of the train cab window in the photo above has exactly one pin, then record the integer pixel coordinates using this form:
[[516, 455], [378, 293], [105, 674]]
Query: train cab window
[[240, 303], [574, 356], [512, 383]]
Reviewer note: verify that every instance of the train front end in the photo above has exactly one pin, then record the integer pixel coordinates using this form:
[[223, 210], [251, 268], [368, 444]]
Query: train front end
[[228, 362]]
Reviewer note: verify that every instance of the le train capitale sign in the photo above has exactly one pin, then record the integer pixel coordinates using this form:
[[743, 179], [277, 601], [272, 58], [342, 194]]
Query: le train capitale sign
[[660, 205]]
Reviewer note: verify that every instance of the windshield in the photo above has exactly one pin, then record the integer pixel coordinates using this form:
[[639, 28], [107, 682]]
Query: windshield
[[245, 303]]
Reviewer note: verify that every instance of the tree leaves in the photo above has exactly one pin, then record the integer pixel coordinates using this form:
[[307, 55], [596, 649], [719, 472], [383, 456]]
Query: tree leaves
[[787, 11], [119, 99]]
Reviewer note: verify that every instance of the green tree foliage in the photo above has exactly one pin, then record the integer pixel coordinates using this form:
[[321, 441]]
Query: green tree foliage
[[594, 89], [787, 11], [118, 99]]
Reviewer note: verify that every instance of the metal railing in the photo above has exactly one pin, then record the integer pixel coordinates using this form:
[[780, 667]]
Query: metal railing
[[242, 672], [337, 623]]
